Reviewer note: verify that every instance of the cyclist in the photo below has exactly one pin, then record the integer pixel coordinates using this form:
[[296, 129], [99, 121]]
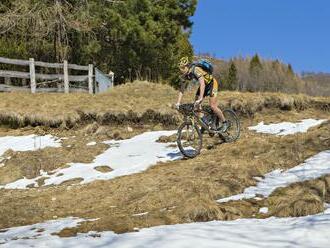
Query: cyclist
[[208, 86]]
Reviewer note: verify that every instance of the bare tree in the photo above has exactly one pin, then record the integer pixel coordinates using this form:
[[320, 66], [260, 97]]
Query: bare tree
[[51, 20]]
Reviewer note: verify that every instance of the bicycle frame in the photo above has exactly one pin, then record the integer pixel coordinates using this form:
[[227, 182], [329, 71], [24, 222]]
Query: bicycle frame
[[197, 119]]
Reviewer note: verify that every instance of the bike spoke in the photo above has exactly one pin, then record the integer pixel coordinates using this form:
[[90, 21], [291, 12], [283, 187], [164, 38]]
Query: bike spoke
[[190, 141]]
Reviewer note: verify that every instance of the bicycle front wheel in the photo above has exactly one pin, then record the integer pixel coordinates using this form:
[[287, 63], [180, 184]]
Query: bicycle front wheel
[[189, 139]]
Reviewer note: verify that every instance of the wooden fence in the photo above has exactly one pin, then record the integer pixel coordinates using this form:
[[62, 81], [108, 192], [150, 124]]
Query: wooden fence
[[33, 76]]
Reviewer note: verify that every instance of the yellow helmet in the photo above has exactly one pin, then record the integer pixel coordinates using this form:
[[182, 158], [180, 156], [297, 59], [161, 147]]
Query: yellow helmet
[[184, 61]]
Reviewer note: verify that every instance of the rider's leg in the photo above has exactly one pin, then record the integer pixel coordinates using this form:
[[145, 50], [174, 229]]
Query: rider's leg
[[216, 109], [214, 100], [200, 114]]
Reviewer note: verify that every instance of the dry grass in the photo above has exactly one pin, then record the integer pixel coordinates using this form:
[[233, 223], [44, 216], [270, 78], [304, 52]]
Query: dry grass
[[138, 102], [176, 192], [300, 199], [103, 169], [131, 103]]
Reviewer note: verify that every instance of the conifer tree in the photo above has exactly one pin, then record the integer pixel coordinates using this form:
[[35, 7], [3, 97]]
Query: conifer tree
[[232, 78], [255, 69], [255, 65], [137, 36], [290, 71]]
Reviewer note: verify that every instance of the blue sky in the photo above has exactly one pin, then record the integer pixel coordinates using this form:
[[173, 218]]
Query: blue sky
[[294, 31]]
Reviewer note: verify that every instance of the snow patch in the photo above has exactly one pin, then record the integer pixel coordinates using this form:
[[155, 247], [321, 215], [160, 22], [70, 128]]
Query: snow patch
[[140, 214], [309, 231], [312, 168], [27, 143], [38, 233], [263, 210], [125, 157], [93, 143], [286, 128]]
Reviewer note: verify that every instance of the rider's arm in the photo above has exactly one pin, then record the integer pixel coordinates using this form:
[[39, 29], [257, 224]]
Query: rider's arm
[[202, 88], [179, 98], [182, 88]]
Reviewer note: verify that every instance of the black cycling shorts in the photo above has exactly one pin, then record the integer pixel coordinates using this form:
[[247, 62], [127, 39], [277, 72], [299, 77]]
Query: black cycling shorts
[[211, 89]]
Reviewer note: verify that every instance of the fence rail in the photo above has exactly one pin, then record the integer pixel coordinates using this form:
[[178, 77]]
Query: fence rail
[[10, 88], [33, 76], [42, 64]]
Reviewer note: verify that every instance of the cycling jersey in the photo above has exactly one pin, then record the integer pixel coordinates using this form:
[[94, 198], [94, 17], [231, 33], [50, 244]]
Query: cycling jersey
[[195, 73], [211, 89]]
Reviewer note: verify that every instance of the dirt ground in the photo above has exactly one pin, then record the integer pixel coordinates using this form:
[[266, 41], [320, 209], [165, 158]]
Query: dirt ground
[[175, 192]]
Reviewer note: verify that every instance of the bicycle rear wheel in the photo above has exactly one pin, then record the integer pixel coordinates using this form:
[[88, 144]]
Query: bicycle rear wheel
[[234, 130], [189, 139]]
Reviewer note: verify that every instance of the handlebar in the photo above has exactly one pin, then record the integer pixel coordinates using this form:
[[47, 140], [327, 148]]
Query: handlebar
[[188, 109]]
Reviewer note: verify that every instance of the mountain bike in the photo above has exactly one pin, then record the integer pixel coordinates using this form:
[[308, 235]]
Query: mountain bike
[[200, 120]]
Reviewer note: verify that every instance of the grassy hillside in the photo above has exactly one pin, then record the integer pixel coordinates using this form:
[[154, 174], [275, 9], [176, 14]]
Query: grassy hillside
[[174, 192], [138, 102]]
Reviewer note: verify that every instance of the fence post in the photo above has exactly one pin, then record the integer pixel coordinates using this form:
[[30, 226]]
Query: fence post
[[90, 78], [33, 76], [66, 76], [112, 77]]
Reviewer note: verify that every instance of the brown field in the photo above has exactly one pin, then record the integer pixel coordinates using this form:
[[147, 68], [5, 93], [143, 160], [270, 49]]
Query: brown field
[[138, 102], [175, 192]]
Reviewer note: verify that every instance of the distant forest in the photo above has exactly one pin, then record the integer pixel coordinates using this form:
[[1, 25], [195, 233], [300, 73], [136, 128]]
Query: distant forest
[[257, 74], [136, 39], [319, 81]]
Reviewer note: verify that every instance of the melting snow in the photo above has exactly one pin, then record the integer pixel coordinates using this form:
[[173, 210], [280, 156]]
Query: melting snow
[[125, 157], [27, 143], [93, 143], [286, 128], [263, 210], [312, 168], [309, 231], [140, 214]]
